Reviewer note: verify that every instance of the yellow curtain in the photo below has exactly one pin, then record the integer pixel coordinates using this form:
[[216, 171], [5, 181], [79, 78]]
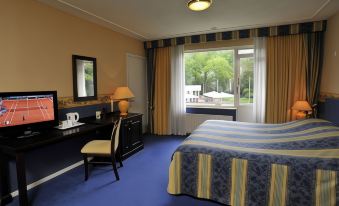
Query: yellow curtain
[[162, 90], [286, 76]]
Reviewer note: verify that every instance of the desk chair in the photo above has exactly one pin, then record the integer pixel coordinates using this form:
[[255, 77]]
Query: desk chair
[[104, 148]]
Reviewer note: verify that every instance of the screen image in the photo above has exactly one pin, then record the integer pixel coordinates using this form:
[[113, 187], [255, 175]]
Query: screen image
[[19, 110]]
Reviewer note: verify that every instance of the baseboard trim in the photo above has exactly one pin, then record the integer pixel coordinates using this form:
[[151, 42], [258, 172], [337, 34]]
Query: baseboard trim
[[4, 200], [49, 177], [133, 151]]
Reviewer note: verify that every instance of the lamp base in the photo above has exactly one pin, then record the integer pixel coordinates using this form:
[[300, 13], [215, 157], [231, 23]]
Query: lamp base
[[301, 115], [123, 107]]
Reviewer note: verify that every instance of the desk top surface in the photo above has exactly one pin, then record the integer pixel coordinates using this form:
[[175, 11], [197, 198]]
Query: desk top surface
[[52, 135]]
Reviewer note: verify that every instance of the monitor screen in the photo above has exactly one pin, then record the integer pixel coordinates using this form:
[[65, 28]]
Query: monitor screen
[[26, 108]]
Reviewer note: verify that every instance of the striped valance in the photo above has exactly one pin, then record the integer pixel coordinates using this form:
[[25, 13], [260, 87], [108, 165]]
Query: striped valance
[[282, 30]]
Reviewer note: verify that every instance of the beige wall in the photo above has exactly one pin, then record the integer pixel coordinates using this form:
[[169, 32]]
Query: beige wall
[[330, 76], [37, 43]]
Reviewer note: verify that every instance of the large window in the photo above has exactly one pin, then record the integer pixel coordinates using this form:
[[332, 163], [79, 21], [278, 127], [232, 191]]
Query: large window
[[219, 78]]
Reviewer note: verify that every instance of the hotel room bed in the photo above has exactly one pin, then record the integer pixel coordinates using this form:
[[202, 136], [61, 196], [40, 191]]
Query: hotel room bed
[[235, 163]]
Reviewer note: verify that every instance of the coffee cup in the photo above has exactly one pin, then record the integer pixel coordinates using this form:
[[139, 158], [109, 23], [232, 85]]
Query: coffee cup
[[70, 123], [65, 123]]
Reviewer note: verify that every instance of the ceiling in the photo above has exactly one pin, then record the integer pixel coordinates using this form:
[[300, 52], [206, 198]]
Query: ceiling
[[158, 19]]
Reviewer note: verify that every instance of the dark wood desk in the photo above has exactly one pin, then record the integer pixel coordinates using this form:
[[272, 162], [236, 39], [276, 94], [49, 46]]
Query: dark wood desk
[[17, 148]]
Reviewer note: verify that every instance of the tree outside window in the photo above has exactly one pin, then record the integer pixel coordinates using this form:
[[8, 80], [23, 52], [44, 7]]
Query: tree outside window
[[210, 78]]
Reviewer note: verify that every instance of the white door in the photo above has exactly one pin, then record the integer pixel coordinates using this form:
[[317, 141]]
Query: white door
[[137, 82]]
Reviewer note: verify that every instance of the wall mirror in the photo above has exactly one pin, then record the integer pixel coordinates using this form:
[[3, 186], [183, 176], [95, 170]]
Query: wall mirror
[[84, 78]]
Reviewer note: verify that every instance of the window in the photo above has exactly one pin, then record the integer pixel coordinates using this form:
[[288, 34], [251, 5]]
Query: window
[[219, 78]]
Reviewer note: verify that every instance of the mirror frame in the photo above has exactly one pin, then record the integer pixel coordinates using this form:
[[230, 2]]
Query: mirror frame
[[75, 79]]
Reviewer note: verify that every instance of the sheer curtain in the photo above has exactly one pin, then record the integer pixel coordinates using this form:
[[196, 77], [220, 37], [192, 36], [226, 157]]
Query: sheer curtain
[[177, 107], [260, 75]]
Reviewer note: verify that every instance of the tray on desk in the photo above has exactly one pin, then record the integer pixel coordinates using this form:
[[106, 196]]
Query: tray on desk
[[76, 124]]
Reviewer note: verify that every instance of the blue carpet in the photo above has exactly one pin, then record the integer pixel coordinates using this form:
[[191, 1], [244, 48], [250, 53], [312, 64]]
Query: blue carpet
[[143, 182]]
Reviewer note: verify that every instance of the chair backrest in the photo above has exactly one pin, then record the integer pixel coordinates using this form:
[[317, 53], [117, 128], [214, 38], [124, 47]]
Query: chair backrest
[[115, 136]]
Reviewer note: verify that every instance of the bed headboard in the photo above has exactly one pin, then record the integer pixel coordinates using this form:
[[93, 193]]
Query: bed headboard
[[331, 110]]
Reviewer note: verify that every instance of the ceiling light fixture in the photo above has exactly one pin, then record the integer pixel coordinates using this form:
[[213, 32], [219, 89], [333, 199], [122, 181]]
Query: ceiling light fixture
[[199, 5]]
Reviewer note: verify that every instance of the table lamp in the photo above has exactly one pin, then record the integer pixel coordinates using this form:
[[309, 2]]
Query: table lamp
[[303, 107], [123, 94]]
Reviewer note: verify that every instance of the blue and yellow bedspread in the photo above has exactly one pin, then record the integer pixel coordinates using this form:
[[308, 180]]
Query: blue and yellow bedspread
[[235, 163]]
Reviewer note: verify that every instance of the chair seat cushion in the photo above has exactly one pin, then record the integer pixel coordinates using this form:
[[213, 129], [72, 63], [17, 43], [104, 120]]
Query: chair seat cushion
[[97, 147]]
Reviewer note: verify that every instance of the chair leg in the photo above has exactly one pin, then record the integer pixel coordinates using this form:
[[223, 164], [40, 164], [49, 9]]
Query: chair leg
[[86, 166], [115, 167], [120, 158]]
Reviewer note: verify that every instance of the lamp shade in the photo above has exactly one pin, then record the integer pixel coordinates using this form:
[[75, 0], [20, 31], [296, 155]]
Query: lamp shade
[[123, 93], [302, 106], [199, 5]]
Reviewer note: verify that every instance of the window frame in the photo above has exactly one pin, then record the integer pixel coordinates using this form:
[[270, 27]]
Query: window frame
[[237, 59], [236, 70]]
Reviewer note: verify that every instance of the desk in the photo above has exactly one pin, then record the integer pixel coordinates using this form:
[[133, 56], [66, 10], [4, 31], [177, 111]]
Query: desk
[[17, 148]]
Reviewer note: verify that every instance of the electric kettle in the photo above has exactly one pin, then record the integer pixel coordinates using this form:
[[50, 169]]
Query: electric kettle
[[73, 117]]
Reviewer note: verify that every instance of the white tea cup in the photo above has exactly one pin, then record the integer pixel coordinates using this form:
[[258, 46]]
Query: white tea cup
[[65, 124], [70, 123]]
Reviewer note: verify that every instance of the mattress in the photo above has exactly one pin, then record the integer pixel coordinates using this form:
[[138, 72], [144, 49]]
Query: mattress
[[236, 163]]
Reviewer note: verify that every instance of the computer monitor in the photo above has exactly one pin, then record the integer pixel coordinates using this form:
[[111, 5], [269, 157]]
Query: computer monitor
[[25, 110]]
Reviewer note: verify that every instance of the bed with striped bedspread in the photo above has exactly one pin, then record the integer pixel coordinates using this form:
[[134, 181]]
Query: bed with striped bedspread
[[235, 163]]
